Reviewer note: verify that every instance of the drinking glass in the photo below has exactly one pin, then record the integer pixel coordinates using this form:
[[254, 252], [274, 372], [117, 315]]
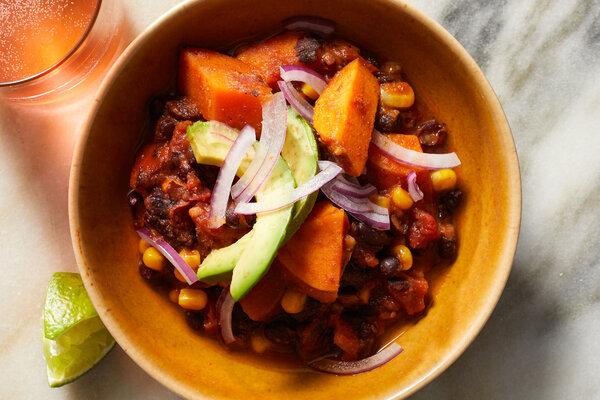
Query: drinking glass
[[50, 49]]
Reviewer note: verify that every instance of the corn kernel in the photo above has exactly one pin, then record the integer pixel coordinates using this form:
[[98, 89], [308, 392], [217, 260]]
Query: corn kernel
[[259, 343], [309, 92], [401, 198], [153, 259], [443, 179], [397, 94], [191, 257], [293, 302], [174, 295], [192, 299], [380, 200], [142, 246], [402, 253]]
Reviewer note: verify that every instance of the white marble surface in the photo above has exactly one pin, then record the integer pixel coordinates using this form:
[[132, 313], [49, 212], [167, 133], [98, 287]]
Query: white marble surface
[[542, 342]]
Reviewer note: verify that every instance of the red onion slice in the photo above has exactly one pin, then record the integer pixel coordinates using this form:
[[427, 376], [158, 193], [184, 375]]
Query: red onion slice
[[297, 73], [222, 188], [225, 305], [170, 254], [308, 23], [298, 103], [361, 209], [308, 187], [353, 190], [414, 158], [357, 367], [413, 189], [274, 126]]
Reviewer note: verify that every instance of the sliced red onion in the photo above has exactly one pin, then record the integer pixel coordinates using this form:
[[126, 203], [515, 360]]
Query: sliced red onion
[[170, 254], [357, 367], [414, 158], [274, 126], [225, 305], [308, 187], [353, 190], [222, 188], [413, 189], [360, 208], [308, 23], [298, 103], [297, 73]]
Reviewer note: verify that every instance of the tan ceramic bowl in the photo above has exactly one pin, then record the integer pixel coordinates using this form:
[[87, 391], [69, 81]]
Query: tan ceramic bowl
[[153, 331]]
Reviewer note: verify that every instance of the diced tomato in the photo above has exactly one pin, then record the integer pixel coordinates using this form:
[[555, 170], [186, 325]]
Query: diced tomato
[[423, 230]]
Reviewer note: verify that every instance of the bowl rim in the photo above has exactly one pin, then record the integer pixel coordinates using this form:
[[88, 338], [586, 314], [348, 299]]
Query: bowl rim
[[513, 214]]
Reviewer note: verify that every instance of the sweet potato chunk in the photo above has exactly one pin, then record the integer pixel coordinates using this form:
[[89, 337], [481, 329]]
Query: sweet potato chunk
[[385, 172], [266, 57], [312, 258], [345, 113], [263, 301], [224, 88]]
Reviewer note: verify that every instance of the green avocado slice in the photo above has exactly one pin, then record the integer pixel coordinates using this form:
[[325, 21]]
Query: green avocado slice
[[301, 153], [251, 256]]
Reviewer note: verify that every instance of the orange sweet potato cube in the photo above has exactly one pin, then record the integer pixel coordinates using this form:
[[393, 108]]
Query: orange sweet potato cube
[[312, 258], [345, 113], [224, 89]]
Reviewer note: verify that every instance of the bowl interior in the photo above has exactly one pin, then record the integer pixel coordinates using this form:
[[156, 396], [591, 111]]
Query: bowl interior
[[153, 331]]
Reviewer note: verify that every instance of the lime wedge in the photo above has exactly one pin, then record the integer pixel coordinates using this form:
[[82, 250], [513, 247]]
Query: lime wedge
[[73, 336]]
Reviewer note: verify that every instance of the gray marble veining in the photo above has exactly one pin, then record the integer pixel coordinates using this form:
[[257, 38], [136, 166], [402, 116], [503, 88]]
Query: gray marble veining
[[543, 60]]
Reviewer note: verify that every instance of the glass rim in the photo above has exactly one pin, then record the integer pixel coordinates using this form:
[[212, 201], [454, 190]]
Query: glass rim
[[64, 58]]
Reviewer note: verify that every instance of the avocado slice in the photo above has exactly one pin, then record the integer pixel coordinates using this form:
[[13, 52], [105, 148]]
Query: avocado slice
[[250, 257], [210, 143], [301, 153]]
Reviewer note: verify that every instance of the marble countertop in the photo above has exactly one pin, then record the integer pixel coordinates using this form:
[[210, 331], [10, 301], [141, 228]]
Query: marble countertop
[[542, 57]]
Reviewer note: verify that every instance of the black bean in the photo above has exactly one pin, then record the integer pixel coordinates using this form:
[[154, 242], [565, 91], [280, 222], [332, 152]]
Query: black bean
[[371, 236], [389, 266], [449, 202], [400, 285], [447, 247], [431, 133], [232, 219], [195, 320], [307, 47], [148, 273], [134, 198], [387, 119], [164, 128], [183, 109], [279, 332]]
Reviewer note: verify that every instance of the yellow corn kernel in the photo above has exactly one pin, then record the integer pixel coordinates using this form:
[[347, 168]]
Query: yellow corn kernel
[[259, 343], [380, 200], [397, 94], [142, 246], [293, 302], [309, 92], [401, 198], [402, 253], [192, 299], [174, 295], [191, 257], [443, 179], [153, 259]]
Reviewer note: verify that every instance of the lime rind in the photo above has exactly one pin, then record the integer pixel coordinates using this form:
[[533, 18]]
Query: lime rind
[[67, 304], [67, 363], [73, 336]]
